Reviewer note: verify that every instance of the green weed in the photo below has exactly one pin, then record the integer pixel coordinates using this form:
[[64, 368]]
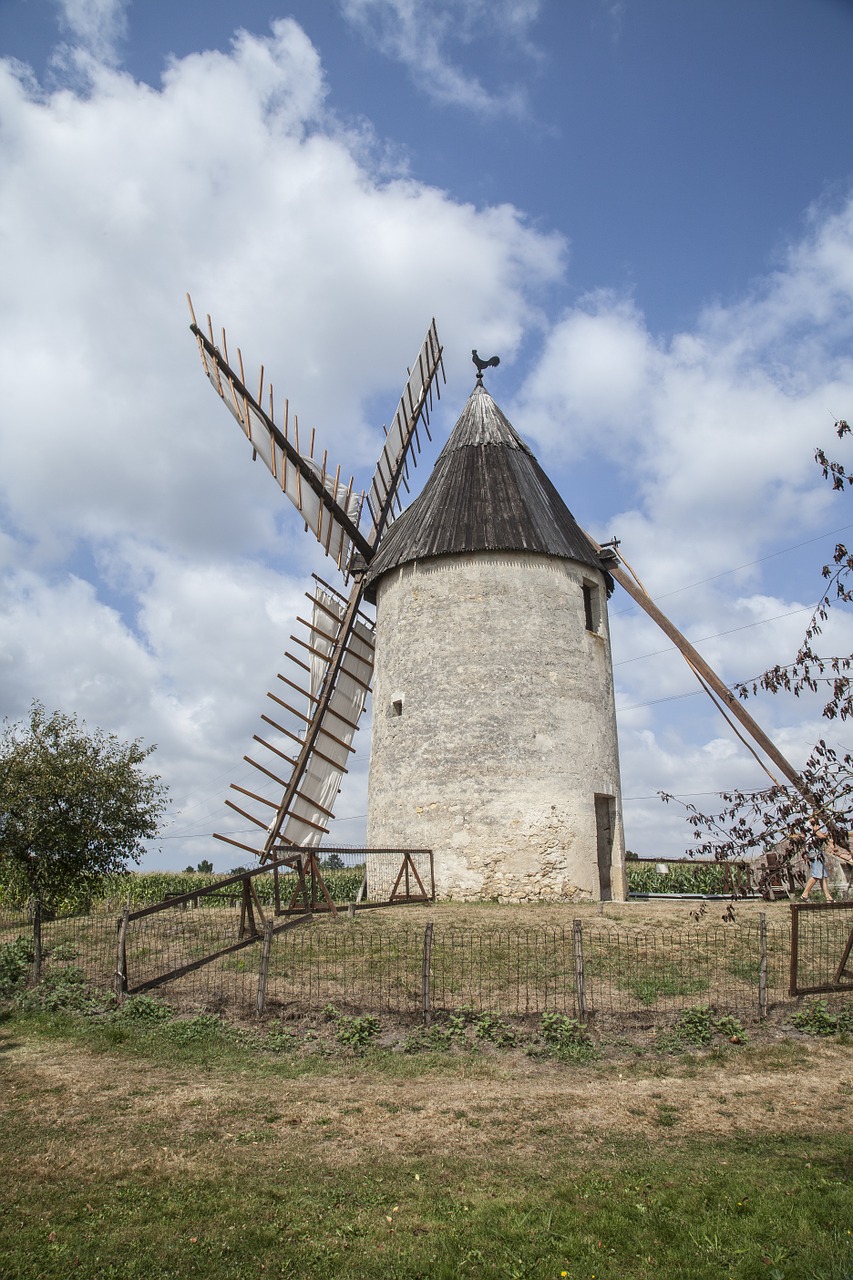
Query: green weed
[[488, 1026], [144, 1009], [566, 1037], [354, 1032], [697, 1027], [817, 1020]]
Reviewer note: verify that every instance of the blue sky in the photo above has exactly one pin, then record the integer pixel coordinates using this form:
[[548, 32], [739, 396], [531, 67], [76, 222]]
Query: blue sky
[[645, 208]]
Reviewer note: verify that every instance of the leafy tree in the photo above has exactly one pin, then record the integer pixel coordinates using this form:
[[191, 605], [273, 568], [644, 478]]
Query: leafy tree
[[205, 867], [74, 806], [334, 862], [759, 821]]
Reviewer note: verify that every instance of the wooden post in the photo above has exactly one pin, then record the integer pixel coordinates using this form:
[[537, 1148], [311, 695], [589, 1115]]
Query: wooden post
[[36, 941], [425, 974], [263, 971], [762, 964], [795, 947], [121, 956], [577, 947], [710, 676]]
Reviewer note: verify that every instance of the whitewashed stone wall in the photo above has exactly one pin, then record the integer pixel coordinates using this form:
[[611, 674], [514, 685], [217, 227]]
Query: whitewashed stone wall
[[494, 726]]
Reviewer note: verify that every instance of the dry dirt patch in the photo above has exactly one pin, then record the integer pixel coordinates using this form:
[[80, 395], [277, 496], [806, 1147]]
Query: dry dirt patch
[[119, 1112]]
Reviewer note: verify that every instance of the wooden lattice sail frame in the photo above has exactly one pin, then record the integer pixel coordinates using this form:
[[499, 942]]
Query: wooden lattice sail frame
[[335, 661]]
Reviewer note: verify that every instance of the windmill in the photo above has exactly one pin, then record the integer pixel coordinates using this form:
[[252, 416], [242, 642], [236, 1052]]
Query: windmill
[[334, 661], [494, 736]]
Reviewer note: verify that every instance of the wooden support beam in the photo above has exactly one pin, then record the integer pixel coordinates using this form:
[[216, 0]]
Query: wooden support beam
[[732, 704]]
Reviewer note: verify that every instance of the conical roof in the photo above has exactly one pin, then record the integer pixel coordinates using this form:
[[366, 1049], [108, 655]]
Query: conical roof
[[487, 492]]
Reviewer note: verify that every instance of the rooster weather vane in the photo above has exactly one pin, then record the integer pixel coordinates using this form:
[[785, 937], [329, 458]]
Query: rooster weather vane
[[484, 364]]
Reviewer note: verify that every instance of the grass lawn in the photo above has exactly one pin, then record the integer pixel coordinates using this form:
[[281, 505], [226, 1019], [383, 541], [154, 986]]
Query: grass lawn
[[184, 1149]]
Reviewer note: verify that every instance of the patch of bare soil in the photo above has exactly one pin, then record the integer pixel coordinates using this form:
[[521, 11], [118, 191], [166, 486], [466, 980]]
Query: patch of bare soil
[[108, 1111]]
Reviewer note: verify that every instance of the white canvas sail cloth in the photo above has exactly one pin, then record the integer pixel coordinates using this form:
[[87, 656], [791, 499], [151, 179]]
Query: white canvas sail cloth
[[318, 515], [319, 786]]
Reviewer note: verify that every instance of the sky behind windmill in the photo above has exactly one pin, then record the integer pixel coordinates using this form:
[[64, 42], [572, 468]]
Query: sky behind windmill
[[645, 208]]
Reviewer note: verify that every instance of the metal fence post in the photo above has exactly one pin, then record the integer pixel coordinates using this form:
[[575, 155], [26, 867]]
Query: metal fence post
[[577, 947], [263, 971], [121, 956], [762, 964], [425, 974]]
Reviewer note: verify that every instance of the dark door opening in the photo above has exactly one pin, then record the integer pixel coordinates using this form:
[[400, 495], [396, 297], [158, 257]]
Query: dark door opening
[[605, 817]]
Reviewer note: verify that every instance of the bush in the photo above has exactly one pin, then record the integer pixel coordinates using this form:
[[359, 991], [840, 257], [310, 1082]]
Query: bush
[[15, 960], [61, 989]]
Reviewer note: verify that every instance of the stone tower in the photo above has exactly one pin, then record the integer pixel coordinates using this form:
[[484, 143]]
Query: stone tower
[[494, 729]]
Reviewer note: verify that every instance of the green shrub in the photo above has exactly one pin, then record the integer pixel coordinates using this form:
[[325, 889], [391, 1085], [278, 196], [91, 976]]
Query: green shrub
[[15, 960], [64, 951], [61, 989], [358, 1032], [731, 1028], [697, 1027]]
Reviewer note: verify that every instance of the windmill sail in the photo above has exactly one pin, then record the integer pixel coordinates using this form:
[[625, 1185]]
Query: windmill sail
[[326, 765], [337, 660], [328, 505], [413, 409], [333, 681]]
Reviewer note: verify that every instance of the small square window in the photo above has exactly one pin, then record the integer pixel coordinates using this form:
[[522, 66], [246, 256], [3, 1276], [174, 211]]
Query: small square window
[[397, 707]]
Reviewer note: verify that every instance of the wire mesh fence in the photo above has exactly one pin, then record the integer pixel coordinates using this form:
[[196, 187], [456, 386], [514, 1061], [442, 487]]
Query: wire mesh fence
[[821, 953], [361, 962]]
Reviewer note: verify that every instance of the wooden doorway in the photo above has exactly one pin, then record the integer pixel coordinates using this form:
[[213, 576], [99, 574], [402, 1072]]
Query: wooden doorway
[[605, 821]]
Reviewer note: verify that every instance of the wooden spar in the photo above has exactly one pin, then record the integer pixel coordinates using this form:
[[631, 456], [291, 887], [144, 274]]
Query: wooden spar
[[269, 746], [309, 720], [297, 687], [288, 734], [291, 454], [708, 674], [315, 728]]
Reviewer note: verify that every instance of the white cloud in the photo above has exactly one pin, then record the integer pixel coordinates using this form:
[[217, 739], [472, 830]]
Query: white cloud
[[152, 575], [97, 27], [423, 34]]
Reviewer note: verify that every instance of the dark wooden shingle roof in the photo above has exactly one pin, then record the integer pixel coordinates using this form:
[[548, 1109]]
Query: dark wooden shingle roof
[[486, 493]]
